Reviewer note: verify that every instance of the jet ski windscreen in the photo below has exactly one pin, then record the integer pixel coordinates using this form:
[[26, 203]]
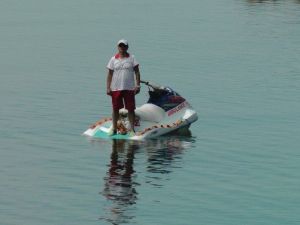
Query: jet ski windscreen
[[165, 98]]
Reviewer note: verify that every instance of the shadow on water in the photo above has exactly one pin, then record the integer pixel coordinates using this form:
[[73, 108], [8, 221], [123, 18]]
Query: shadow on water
[[121, 180]]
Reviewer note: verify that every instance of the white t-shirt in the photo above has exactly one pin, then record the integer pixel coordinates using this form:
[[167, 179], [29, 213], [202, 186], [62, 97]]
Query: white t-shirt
[[123, 75]]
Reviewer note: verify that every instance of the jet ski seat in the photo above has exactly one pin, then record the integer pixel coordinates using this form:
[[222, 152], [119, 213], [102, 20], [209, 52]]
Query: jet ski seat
[[147, 112]]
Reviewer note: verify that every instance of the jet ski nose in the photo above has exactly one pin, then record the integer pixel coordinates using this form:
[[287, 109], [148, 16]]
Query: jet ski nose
[[190, 115]]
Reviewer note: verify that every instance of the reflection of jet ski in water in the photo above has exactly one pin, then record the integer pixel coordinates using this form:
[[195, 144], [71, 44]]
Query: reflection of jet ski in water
[[165, 112], [121, 181]]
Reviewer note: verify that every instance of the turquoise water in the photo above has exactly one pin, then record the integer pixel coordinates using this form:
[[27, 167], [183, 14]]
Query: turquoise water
[[237, 62]]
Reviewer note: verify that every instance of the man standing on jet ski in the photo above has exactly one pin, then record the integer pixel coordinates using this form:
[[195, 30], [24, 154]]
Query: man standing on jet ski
[[122, 85]]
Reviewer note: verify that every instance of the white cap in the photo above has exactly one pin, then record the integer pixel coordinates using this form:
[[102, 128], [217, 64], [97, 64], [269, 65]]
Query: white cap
[[123, 41]]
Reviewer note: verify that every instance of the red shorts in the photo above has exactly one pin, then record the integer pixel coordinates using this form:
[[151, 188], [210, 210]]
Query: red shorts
[[119, 98]]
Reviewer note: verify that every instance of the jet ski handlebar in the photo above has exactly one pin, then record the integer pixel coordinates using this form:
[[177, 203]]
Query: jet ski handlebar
[[155, 87]]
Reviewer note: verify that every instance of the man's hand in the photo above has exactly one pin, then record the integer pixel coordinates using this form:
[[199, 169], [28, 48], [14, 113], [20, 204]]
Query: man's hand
[[108, 81], [108, 91], [137, 89]]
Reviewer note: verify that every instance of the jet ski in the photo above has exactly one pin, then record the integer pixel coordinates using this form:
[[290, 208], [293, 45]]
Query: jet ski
[[165, 112]]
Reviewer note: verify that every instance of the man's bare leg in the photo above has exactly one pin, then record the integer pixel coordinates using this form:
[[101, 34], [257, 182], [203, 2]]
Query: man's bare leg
[[115, 118], [131, 117]]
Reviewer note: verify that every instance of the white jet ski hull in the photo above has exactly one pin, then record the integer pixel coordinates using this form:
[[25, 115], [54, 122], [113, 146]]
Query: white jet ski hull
[[151, 122]]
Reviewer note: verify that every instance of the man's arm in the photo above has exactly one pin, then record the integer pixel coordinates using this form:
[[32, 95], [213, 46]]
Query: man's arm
[[108, 81], [138, 79]]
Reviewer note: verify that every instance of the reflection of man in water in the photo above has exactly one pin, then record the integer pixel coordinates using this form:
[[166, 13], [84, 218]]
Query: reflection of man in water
[[119, 185], [120, 180]]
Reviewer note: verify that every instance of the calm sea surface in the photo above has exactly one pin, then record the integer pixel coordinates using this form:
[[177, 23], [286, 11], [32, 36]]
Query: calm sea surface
[[236, 61]]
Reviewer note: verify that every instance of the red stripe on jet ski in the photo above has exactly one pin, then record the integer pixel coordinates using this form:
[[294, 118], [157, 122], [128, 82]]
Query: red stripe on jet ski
[[177, 108]]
